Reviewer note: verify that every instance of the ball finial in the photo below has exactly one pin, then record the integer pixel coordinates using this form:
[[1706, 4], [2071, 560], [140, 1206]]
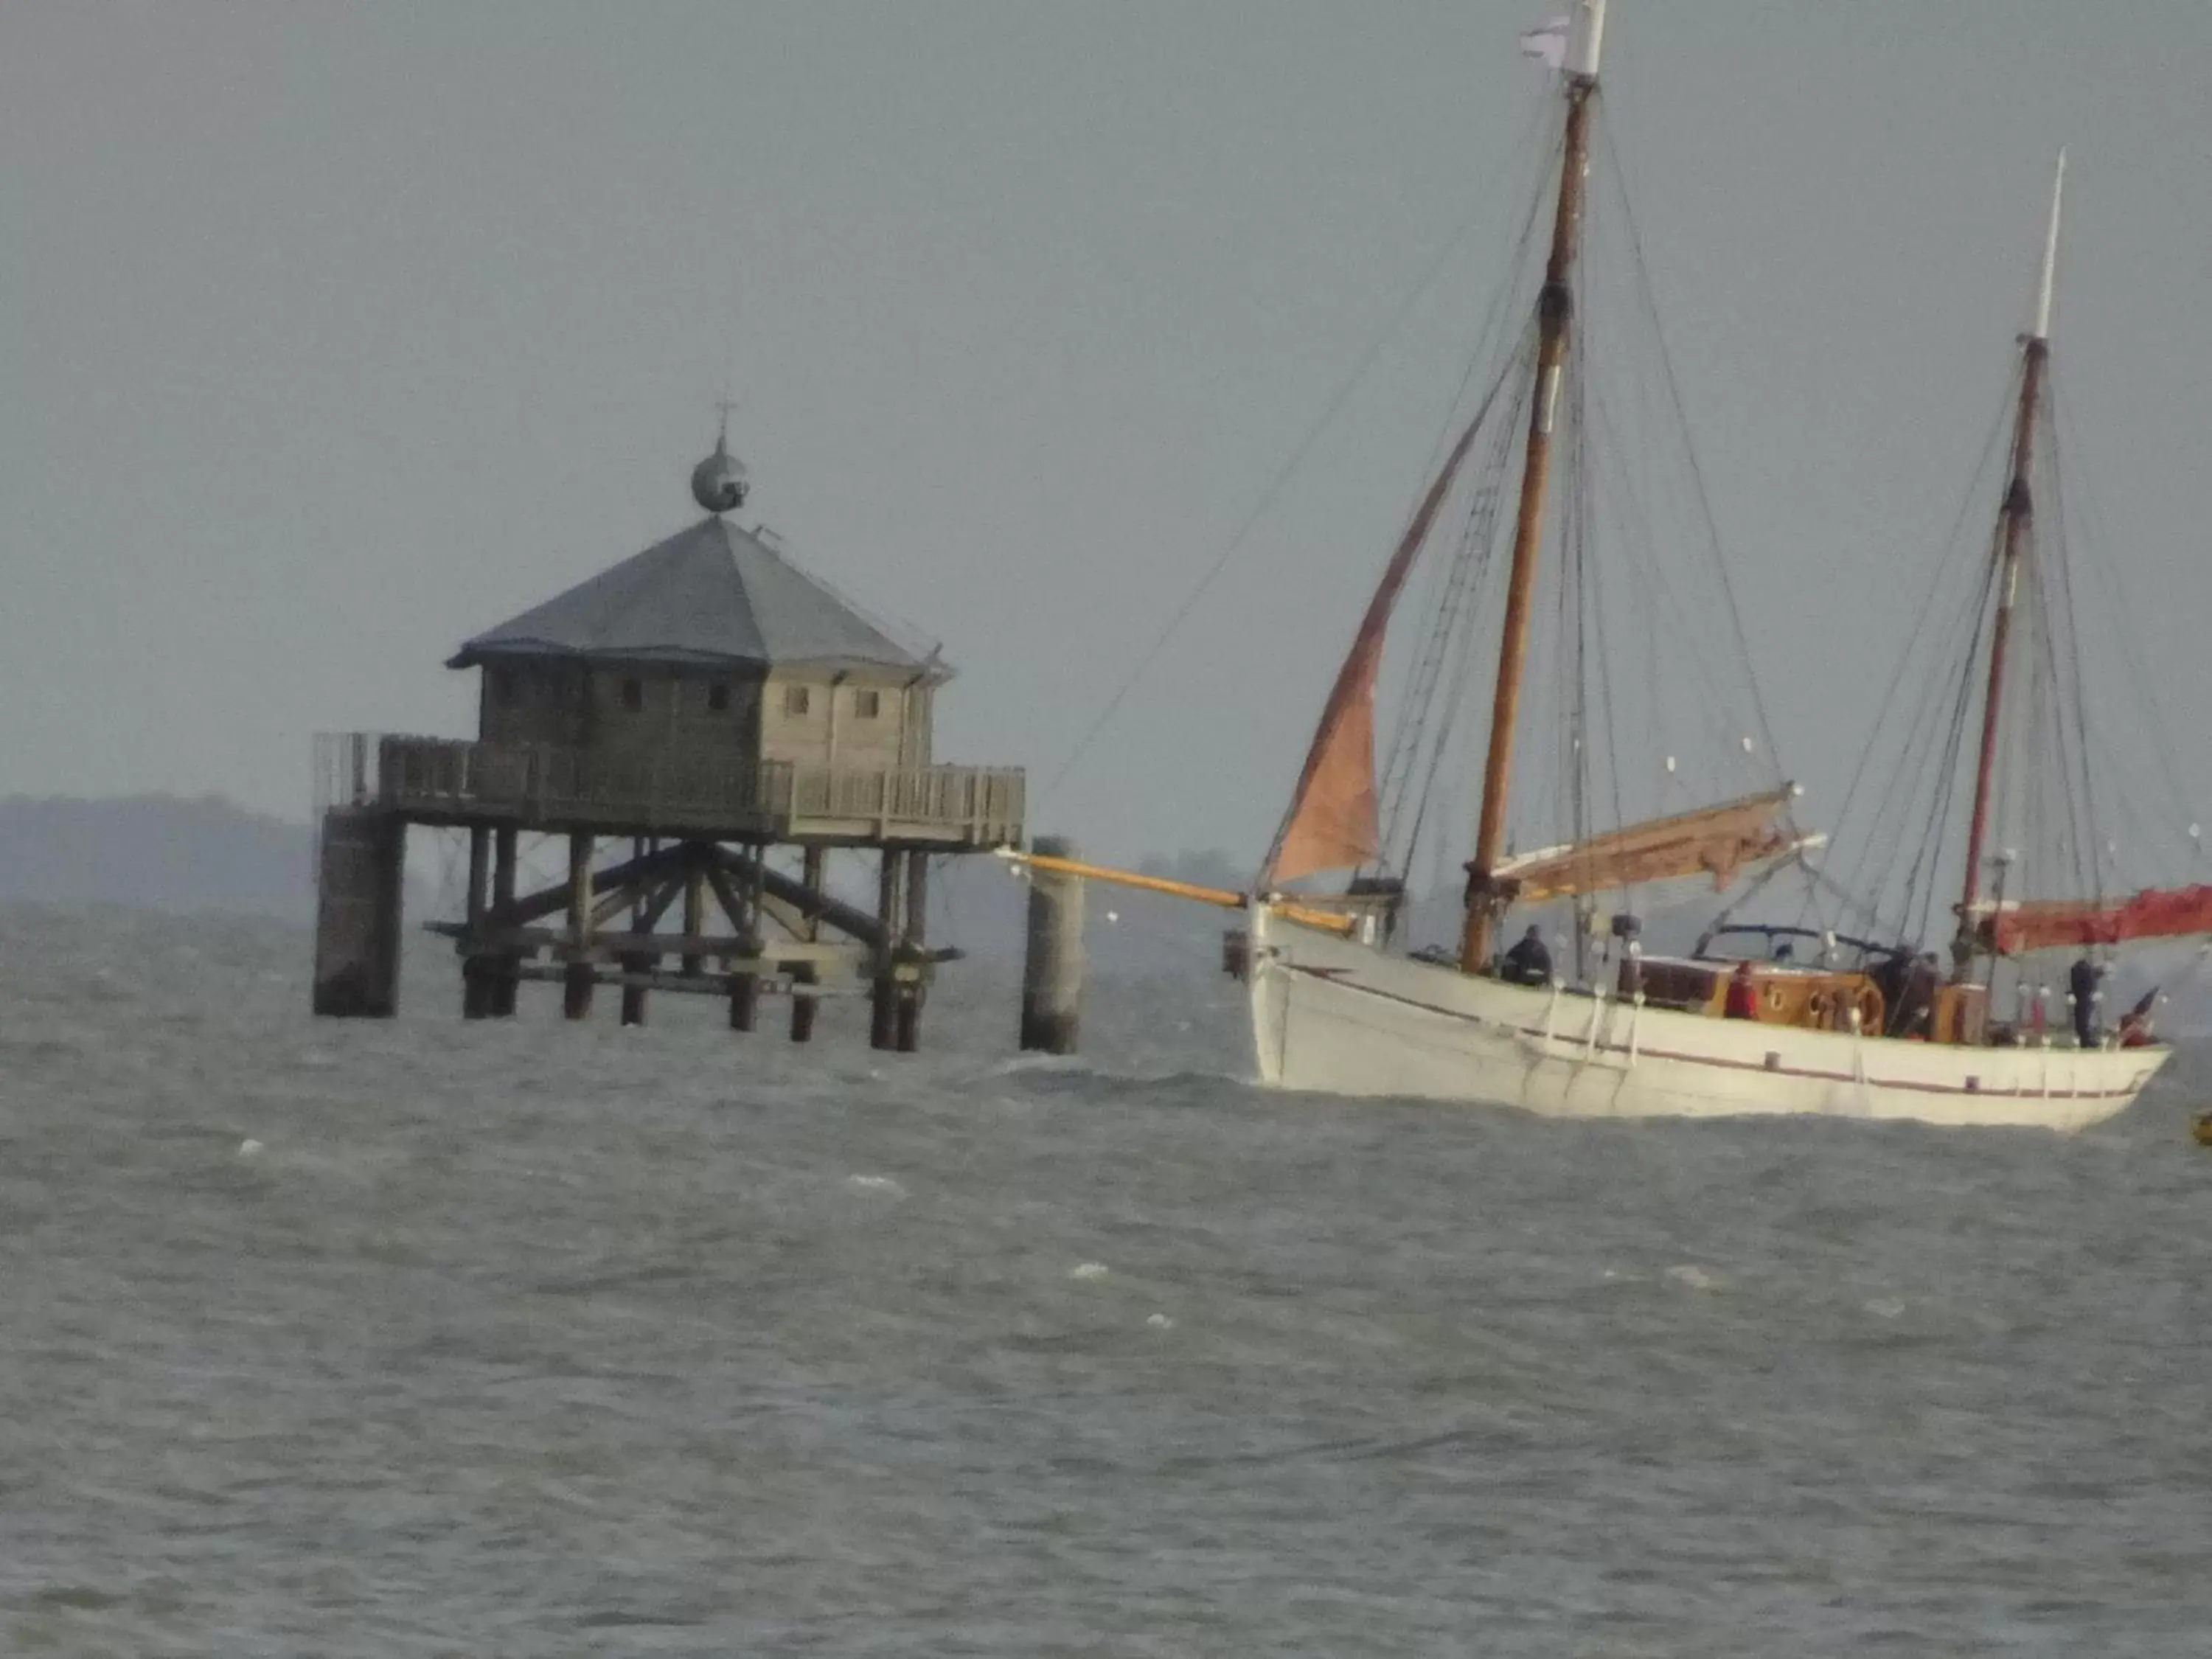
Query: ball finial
[[720, 483]]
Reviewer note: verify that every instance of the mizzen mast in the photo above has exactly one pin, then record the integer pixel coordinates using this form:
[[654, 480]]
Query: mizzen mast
[[1554, 312], [2014, 523]]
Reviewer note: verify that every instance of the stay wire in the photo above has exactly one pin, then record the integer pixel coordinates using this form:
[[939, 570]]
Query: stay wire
[[1941, 568], [2154, 722], [1682, 416], [1267, 497]]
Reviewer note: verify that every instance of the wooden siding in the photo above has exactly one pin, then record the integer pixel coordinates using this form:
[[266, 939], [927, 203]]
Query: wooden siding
[[530, 703], [835, 731], [555, 703]]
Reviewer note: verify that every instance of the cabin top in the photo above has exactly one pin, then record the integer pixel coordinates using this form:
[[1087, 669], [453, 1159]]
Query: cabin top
[[716, 596]]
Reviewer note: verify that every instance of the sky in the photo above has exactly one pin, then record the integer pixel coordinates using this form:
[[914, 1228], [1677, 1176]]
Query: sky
[[332, 334]]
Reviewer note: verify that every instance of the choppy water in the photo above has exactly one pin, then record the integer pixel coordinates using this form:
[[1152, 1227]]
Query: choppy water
[[539, 1339]]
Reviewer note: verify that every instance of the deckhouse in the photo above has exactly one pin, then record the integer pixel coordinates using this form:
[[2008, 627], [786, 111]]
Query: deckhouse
[[711, 703]]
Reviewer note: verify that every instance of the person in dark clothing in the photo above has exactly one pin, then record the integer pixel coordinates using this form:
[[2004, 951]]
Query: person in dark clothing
[[1889, 977], [1915, 1008], [2081, 989], [1529, 962]]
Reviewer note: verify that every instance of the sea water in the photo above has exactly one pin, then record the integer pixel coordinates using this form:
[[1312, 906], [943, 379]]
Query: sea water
[[528, 1338]]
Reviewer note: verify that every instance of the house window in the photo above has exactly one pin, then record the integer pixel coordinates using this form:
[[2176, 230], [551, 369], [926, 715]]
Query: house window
[[794, 699], [633, 694], [867, 704], [718, 697], [503, 687]]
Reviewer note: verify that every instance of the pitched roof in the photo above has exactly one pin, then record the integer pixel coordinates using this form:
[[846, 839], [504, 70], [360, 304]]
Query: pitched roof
[[712, 595]]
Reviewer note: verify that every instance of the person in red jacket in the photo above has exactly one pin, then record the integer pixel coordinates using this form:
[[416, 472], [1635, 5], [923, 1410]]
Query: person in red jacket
[[1742, 994]]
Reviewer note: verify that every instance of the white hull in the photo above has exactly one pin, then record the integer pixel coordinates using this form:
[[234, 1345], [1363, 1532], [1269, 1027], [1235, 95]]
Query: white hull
[[1334, 1016]]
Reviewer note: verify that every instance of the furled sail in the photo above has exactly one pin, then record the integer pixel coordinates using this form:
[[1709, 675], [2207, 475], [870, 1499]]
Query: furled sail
[[1332, 823], [1715, 841], [2046, 924]]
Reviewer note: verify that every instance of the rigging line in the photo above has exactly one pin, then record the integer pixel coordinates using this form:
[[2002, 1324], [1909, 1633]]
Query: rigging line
[[2052, 813], [1421, 713], [1681, 413], [1412, 727], [1582, 501], [1491, 341], [1935, 691], [1269, 495], [1615, 734], [1481, 538], [2081, 807], [1427, 723], [1931, 858], [1594, 490], [1936, 771], [1940, 568], [1514, 292], [1848, 901], [2062, 621], [1463, 571], [1647, 571], [2160, 734], [1573, 591], [2132, 812]]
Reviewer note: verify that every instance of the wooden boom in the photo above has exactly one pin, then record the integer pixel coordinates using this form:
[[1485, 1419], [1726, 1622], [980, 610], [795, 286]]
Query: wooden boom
[[1221, 898]]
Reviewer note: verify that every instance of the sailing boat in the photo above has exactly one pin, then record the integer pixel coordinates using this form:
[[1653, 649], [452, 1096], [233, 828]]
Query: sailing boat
[[1866, 1029]]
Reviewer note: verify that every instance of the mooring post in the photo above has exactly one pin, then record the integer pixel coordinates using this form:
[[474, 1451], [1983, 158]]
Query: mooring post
[[576, 982], [1052, 970], [476, 980], [633, 996], [882, 999], [803, 1005], [362, 871], [504, 979], [744, 982], [912, 952]]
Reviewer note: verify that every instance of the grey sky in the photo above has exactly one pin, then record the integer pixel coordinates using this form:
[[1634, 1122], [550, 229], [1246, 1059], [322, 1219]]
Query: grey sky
[[332, 335]]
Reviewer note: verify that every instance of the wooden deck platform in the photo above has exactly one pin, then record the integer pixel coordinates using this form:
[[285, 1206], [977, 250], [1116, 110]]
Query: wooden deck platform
[[556, 789]]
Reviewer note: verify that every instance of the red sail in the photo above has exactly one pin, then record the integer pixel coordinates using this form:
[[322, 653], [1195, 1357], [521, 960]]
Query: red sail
[[1332, 823], [2046, 924]]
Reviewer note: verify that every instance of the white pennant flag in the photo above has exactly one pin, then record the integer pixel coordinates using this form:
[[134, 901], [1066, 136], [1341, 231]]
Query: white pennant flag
[[1547, 45]]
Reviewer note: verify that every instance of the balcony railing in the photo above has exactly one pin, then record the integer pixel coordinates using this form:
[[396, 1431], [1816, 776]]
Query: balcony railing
[[553, 784]]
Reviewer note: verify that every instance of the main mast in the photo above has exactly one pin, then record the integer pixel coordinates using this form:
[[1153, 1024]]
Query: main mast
[[2014, 521], [1555, 313]]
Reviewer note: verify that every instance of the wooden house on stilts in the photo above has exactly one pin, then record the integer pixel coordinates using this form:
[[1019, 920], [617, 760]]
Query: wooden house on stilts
[[708, 703]]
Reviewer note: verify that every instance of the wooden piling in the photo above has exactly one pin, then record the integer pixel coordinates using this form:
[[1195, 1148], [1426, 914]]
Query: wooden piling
[[744, 983], [636, 964], [576, 982], [912, 952], [505, 852], [1052, 970], [744, 1001], [476, 980], [803, 1006], [357, 913], [882, 999]]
